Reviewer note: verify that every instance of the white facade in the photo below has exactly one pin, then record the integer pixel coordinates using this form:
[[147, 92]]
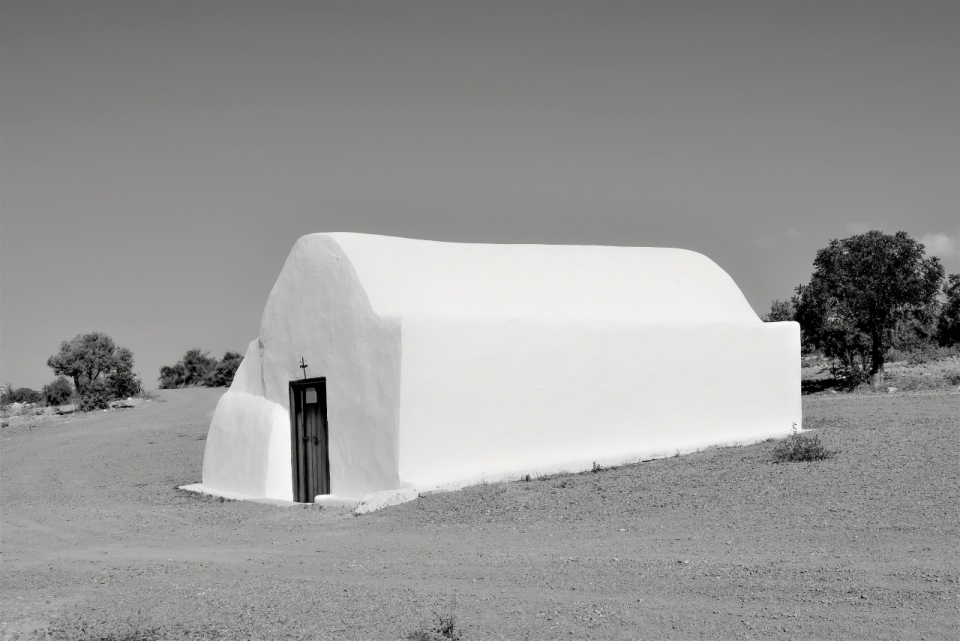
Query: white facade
[[448, 363]]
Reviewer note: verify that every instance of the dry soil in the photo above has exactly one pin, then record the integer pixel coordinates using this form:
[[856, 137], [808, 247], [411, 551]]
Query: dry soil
[[722, 544]]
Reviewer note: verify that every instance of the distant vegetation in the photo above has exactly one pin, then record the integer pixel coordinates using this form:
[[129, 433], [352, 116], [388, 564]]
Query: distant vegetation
[[948, 321], [91, 371], [19, 395], [198, 369], [871, 297], [100, 370]]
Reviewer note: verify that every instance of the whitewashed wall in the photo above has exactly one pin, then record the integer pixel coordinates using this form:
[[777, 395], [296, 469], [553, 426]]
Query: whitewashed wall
[[248, 445], [317, 310], [487, 399]]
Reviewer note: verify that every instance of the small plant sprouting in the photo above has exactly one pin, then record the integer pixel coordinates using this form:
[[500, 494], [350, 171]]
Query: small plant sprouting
[[800, 447], [596, 467], [444, 629]]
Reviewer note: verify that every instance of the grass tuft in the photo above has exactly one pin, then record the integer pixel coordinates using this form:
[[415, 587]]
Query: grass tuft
[[800, 447], [443, 629]]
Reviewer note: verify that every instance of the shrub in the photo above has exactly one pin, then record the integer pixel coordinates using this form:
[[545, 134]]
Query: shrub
[[948, 324], [226, 369], [198, 368], [94, 396], [192, 370], [800, 447], [58, 392], [849, 374], [19, 395], [923, 354], [123, 384], [443, 629], [172, 376]]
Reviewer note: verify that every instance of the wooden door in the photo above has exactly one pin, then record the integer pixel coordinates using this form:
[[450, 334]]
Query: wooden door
[[309, 439]]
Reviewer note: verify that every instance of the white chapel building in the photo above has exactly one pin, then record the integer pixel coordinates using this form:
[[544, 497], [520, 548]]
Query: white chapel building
[[387, 363]]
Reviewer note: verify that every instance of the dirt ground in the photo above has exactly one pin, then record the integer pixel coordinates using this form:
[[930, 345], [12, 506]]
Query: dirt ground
[[722, 544]]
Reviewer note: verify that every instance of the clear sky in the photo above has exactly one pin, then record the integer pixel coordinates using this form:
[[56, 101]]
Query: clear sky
[[158, 159]]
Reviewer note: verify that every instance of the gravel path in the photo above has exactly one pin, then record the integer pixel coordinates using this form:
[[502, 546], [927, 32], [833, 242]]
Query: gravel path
[[721, 544]]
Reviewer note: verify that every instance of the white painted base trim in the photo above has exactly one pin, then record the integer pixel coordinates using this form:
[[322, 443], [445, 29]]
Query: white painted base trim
[[584, 465], [331, 500]]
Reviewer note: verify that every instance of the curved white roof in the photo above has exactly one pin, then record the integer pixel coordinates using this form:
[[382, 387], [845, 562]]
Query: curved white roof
[[404, 277]]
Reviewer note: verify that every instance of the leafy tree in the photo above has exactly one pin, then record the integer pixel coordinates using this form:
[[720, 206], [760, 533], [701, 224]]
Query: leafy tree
[[226, 369], [58, 392], [171, 376], [123, 384], [91, 358], [820, 330], [916, 330], [948, 324], [196, 368], [861, 288], [782, 310]]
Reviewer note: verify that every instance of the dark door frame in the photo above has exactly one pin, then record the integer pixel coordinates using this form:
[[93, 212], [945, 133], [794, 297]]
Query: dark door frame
[[298, 456]]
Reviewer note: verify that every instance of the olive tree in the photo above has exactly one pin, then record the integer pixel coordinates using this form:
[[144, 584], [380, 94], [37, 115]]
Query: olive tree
[[861, 287], [97, 366]]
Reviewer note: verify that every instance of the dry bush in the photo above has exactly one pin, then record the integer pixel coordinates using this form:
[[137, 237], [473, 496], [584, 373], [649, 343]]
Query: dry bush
[[800, 447], [444, 628]]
